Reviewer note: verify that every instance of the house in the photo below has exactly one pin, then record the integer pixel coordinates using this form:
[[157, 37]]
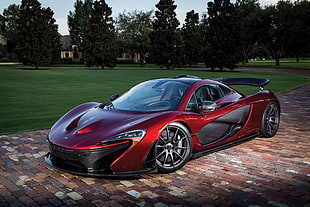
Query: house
[[135, 57], [68, 50]]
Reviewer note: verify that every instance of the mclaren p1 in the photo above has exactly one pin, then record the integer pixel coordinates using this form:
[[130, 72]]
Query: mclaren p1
[[158, 125]]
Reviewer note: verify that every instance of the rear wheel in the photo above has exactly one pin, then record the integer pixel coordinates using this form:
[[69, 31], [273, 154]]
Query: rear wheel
[[271, 120], [173, 148]]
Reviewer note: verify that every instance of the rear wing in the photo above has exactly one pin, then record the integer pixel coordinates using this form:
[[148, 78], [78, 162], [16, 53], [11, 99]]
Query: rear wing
[[246, 81]]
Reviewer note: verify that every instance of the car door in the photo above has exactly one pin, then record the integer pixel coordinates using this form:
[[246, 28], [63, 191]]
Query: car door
[[224, 121]]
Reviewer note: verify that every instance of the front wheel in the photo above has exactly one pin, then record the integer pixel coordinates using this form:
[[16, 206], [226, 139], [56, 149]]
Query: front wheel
[[173, 148], [270, 120]]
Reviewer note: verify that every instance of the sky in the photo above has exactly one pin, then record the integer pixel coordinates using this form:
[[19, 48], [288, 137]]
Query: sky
[[61, 8]]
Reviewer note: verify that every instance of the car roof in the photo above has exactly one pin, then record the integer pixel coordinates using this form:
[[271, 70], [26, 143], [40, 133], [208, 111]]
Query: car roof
[[189, 79], [185, 79]]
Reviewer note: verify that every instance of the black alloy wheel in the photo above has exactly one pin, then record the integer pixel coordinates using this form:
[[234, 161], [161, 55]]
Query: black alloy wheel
[[270, 120], [173, 148]]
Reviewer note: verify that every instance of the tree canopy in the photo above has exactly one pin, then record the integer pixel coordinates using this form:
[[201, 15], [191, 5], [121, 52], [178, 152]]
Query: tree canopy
[[166, 39], [10, 24], [99, 39], [228, 33], [38, 40], [247, 12], [222, 43], [133, 30], [192, 36], [78, 21]]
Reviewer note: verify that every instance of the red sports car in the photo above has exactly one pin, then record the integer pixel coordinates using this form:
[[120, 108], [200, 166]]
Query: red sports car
[[158, 125]]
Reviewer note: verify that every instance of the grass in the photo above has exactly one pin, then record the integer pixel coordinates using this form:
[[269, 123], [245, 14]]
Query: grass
[[284, 63], [35, 99]]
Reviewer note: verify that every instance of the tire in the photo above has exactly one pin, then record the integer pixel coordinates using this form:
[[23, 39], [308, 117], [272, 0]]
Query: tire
[[173, 148], [270, 120]]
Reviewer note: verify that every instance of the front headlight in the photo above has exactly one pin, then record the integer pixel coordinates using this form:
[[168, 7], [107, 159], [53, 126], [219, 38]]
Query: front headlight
[[134, 135], [137, 134]]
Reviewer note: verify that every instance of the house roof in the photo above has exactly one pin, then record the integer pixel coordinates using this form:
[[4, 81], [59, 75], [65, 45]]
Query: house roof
[[66, 43]]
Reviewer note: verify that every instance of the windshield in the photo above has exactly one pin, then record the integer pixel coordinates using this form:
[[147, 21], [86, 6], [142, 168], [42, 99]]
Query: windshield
[[151, 96]]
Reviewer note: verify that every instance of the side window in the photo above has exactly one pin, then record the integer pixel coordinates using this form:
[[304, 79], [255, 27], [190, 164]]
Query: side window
[[197, 97], [210, 92], [214, 92], [225, 90], [192, 104]]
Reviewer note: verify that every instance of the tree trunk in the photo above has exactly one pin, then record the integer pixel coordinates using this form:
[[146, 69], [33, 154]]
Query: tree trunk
[[142, 60], [246, 56], [277, 61], [297, 58]]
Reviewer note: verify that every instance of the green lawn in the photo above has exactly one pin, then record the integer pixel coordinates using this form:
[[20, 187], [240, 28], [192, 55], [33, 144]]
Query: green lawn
[[284, 63], [35, 99]]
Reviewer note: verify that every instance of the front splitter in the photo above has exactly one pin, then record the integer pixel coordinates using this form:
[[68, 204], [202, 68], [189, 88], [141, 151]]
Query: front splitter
[[97, 173]]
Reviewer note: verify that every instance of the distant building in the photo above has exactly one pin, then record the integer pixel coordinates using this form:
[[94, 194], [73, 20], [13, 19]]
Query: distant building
[[67, 49]]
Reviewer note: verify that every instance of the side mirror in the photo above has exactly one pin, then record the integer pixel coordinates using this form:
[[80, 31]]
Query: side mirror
[[208, 106], [114, 96]]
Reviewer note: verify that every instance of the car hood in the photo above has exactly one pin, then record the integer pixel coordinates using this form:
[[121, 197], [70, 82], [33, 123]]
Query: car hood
[[87, 129]]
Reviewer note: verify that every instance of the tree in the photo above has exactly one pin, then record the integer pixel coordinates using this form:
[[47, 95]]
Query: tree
[[192, 36], [133, 31], [99, 40], [3, 50], [78, 21], [299, 43], [274, 23], [10, 16], [166, 39], [52, 35], [36, 34], [247, 11], [222, 46]]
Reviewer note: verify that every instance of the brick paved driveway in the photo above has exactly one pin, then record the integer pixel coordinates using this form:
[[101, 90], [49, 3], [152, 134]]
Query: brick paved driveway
[[263, 172]]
